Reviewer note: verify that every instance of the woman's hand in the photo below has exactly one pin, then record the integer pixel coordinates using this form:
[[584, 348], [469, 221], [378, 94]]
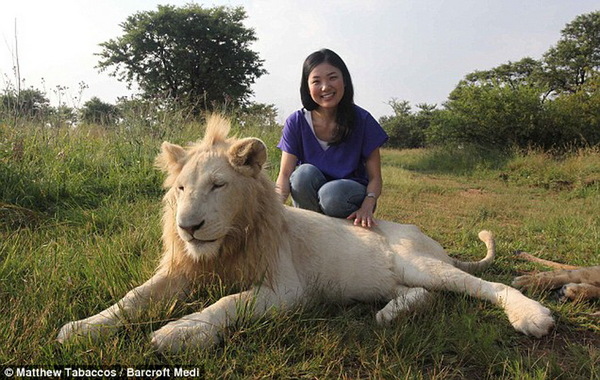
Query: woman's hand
[[364, 215]]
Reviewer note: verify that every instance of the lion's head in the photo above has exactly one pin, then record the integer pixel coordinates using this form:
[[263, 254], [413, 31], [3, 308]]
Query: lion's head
[[219, 204]]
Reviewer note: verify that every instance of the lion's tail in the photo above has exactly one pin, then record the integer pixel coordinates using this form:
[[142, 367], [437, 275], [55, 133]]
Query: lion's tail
[[488, 238]]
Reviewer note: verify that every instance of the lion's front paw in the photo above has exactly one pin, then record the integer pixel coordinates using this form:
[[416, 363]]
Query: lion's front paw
[[384, 317], [522, 282], [576, 292], [67, 331], [528, 282], [538, 282], [180, 335], [84, 328], [532, 319], [168, 340]]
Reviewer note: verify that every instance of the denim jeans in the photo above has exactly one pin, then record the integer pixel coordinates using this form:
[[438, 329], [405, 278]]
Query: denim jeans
[[310, 190]]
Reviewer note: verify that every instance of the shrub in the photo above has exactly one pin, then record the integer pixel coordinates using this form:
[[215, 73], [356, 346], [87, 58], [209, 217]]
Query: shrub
[[95, 111], [406, 129]]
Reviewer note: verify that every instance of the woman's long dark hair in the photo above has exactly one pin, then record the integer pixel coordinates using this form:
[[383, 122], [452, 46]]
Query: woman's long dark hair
[[345, 115]]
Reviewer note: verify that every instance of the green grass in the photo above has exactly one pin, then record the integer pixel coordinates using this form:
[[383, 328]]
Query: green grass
[[79, 227]]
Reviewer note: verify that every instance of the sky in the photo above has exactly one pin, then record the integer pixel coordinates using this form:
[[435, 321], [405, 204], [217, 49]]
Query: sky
[[415, 50]]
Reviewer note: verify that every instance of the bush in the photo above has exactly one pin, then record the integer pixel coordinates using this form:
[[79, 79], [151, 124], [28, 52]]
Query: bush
[[29, 104], [95, 111], [490, 116], [574, 119], [406, 129]]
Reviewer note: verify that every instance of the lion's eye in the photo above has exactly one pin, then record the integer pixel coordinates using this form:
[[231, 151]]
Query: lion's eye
[[180, 188], [217, 185]]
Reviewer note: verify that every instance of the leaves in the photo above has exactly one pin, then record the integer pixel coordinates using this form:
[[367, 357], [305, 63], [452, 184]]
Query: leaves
[[407, 129], [197, 56], [551, 103], [576, 56]]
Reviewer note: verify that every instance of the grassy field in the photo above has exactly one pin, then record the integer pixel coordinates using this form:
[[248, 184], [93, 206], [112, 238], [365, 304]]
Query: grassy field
[[79, 227]]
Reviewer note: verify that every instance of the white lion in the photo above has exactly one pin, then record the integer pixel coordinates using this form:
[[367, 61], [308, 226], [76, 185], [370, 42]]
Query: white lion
[[223, 222]]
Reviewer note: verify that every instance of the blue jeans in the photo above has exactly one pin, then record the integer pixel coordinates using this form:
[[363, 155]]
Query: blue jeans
[[310, 190]]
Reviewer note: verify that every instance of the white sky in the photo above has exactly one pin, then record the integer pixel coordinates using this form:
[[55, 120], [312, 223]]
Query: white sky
[[415, 50]]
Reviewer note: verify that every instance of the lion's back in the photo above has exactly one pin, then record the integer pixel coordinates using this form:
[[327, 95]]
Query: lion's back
[[339, 257]]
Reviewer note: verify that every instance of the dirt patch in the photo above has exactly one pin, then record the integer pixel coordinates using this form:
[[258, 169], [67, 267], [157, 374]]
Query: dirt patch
[[563, 341]]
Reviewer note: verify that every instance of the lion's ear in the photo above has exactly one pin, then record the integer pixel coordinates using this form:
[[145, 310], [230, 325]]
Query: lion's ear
[[171, 158], [248, 156]]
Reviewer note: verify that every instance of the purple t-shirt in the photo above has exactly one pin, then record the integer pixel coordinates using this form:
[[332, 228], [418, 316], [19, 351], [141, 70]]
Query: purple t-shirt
[[345, 160]]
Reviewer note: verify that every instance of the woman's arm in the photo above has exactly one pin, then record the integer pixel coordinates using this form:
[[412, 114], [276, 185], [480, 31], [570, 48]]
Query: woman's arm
[[364, 215], [286, 168]]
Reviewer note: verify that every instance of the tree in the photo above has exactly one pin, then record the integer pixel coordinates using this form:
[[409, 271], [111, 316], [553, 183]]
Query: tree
[[564, 67], [258, 114], [574, 118], [490, 116], [576, 56], [63, 115], [525, 72], [30, 103], [406, 129], [95, 111], [198, 57], [551, 103]]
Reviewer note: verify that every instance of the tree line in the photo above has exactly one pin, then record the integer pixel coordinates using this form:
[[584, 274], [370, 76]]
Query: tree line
[[192, 59], [551, 103], [186, 59]]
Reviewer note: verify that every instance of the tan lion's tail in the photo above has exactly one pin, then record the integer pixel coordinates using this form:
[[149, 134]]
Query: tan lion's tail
[[477, 266]]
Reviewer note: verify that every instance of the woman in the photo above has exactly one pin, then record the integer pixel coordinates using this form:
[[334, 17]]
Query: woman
[[330, 160]]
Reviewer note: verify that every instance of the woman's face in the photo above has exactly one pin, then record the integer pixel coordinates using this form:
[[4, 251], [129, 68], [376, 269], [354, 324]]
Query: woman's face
[[326, 85]]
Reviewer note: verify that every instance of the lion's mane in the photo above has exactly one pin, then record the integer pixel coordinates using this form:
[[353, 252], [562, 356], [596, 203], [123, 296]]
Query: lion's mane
[[249, 249]]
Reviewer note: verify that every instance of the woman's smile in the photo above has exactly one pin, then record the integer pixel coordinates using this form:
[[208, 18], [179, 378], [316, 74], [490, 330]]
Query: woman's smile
[[326, 85]]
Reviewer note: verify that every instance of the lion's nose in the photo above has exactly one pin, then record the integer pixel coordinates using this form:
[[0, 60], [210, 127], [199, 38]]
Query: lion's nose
[[192, 229]]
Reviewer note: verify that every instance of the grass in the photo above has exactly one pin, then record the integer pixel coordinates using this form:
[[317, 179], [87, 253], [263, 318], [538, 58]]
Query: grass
[[79, 227]]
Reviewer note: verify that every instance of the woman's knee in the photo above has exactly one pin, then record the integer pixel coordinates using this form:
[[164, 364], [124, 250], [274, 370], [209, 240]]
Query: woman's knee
[[307, 176], [305, 183], [341, 198]]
